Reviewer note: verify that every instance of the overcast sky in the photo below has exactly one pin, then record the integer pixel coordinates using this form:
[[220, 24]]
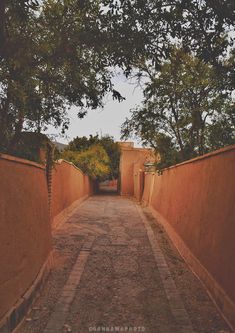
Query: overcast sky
[[107, 120]]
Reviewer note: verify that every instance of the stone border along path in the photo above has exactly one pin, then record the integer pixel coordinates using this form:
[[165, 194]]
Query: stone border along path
[[178, 310], [58, 317], [123, 276]]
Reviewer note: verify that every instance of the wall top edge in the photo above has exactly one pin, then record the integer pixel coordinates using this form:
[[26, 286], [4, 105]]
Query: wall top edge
[[60, 161], [199, 158], [21, 161], [135, 149]]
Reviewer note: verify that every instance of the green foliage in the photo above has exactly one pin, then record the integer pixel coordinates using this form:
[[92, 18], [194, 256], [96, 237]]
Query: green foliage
[[221, 131], [167, 151], [93, 161], [187, 110], [30, 145], [142, 31], [26, 100], [113, 151], [55, 54], [83, 143], [49, 62], [80, 144]]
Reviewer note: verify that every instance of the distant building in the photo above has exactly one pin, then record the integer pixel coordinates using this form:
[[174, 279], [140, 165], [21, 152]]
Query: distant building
[[132, 161]]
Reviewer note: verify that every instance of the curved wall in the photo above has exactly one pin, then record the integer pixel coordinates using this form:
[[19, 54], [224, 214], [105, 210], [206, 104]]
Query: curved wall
[[69, 184], [24, 227]]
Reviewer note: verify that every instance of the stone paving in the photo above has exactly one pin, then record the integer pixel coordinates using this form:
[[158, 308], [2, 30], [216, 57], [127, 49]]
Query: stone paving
[[125, 276]]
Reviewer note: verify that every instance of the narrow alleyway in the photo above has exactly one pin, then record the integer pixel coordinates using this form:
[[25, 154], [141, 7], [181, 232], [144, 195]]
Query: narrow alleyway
[[116, 271]]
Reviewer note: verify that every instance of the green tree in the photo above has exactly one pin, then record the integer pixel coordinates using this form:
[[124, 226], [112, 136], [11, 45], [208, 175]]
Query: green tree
[[83, 143], [55, 54], [111, 147], [113, 151], [143, 31], [15, 10], [94, 161], [26, 102], [49, 63], [185, 106]]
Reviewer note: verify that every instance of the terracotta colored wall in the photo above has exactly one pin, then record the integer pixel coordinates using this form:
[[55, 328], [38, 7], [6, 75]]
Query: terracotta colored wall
[[148, 187], [24, 227], [130, 158], [196, 202], [138, 182], [69, 184]]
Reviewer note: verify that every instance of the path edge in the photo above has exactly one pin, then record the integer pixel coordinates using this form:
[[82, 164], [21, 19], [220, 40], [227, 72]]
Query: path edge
[[220, 299], [63, 216], [176, 304]]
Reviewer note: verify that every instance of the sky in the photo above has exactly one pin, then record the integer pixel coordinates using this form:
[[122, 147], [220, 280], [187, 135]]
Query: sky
[[107, 120]]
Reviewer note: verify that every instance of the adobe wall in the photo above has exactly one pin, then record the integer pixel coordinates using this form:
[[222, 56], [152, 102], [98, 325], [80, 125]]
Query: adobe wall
[[138, 181], [195, 201], [131, 158], [24, 227], [148, 187], [69, 185]]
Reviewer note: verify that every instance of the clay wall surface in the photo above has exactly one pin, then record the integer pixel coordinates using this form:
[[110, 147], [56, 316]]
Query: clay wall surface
[[69, 184], [131, 158], [24, 227], [25, 216], [138, 182], [148, 187], [195, 201]]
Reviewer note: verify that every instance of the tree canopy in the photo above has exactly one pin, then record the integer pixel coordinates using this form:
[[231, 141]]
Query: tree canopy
[[49, 62], [111, 148], [186, 112], [55, 54], [93, 161]]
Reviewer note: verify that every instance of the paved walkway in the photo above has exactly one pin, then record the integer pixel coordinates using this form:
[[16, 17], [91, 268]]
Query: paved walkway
[[116, 271]]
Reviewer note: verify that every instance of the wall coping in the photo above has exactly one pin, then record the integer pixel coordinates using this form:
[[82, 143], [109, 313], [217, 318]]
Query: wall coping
[[135, 149], [19, 160], [199, 158], [60, 161]]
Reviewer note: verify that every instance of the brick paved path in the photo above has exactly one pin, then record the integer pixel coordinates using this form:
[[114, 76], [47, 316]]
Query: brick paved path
[[124, 276]]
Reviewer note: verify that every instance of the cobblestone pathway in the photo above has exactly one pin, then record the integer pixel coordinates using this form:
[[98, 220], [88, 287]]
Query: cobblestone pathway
[[116, 271]]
